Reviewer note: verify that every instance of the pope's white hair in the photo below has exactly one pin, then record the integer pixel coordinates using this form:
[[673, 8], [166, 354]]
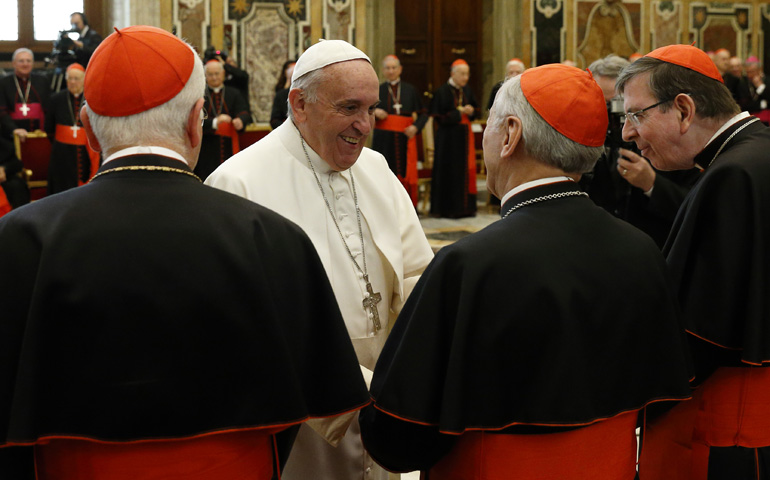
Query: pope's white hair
[[164, 124], [541, 141], [309, 84], [21, 50]]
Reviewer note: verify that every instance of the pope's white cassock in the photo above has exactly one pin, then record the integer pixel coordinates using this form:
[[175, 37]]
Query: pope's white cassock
[[275, 173]]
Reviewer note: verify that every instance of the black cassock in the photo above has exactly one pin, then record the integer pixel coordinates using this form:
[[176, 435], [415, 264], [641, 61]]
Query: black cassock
[[559, 314], [718, 254], [146, 305], [9, 97], [452, 194], [218, 148], [70, 165], [392, 145]]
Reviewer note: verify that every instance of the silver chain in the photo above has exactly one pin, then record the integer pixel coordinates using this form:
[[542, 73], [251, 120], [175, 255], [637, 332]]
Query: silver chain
[[358, 213], [543, 199], [730, 138]]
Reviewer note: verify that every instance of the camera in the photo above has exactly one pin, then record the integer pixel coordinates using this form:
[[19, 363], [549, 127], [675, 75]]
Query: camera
[[63, 53], [212, 53], [617, 117]]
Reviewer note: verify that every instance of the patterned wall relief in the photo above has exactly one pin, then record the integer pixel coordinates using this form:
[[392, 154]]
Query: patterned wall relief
[[339, 20], [604, 27], [547, 30], [191, 20], [721, 25], [666, 22], [262, 35]]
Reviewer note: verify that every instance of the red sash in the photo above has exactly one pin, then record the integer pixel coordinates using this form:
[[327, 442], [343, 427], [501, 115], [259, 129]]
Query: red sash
[[34, 112], [77, 136], [239, 454], [398, 123], [731, 408], [226, 129], [605, 450], [471, 155], [5, 205]]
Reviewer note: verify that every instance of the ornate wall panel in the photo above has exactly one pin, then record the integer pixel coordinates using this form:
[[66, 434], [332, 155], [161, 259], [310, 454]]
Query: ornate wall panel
[[721, 25], [339, 20], [259, 34], [267, 37], [604, 27], [191, 19], [665, 23], [547, 26]]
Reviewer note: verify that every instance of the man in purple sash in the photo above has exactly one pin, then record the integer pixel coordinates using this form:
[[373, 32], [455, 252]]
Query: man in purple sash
[[22, 96]]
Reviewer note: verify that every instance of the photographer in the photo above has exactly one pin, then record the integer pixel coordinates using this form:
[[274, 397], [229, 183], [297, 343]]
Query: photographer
[[234, 76], [88, 41], [623, 182]]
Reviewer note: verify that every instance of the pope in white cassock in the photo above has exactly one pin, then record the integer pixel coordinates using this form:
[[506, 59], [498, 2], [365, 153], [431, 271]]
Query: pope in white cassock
[[315, 171]]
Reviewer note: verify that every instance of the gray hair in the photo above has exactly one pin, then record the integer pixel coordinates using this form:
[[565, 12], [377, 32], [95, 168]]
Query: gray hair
[[21, 50], [165, 123], [711, 97], [541, 141], [309, 84], [609, 66]]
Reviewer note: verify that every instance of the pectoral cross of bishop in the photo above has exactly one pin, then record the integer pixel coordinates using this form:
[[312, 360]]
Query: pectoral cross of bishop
[[75, 129], [370, 303], [24, 109], [397, 108]]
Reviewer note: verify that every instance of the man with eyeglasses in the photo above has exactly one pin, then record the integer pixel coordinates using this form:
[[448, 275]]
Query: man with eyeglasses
[[624, 183], [680, 114]]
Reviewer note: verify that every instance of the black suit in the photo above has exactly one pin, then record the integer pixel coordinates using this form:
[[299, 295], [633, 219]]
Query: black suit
[[146, 305]]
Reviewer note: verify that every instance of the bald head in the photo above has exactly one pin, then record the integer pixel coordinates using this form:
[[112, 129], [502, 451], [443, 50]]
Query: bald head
[[514, 68], [215, 74], [391, 68]]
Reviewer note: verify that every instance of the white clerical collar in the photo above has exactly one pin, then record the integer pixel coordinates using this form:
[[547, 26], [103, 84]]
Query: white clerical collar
[[533, 184], [727, 125], [452, 82], [217, 90], [146, 150], [395, 82]]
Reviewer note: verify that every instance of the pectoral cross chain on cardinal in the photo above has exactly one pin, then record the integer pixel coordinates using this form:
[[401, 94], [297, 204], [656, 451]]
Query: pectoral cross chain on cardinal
[[75, 129], [370, 303], [24, 109], [397, 108]]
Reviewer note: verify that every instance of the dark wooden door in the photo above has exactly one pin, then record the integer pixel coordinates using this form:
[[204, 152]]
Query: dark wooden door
[[431, 34]]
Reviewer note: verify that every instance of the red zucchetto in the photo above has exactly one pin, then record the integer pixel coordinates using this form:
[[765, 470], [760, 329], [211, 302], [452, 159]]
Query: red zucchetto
[[75, 66], [458, 62], [570, 100], [689, 57], [136, 69]]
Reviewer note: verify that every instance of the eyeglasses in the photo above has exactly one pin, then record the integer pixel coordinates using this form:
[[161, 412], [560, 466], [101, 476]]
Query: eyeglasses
[[634, 116]]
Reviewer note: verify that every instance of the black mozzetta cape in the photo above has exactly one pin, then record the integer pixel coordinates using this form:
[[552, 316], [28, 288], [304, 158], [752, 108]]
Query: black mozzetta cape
[[559, 315], [146, 305], [719, 248]]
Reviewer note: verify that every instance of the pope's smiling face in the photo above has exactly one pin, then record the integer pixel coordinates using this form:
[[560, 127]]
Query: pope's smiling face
[[337, 125]]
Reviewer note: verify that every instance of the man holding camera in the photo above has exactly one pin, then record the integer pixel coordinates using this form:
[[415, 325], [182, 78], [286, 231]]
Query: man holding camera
[[623, 182], [88, 41]]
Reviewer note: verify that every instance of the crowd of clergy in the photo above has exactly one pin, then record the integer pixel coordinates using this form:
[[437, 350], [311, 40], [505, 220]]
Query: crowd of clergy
[[178, 307]]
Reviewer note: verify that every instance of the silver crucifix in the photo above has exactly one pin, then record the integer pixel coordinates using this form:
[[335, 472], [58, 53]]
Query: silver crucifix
[[370, 303]]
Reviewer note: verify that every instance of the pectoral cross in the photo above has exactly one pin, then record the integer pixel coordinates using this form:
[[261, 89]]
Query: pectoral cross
[[370, 303], [24, 109], [75, 129], [397, 108]]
